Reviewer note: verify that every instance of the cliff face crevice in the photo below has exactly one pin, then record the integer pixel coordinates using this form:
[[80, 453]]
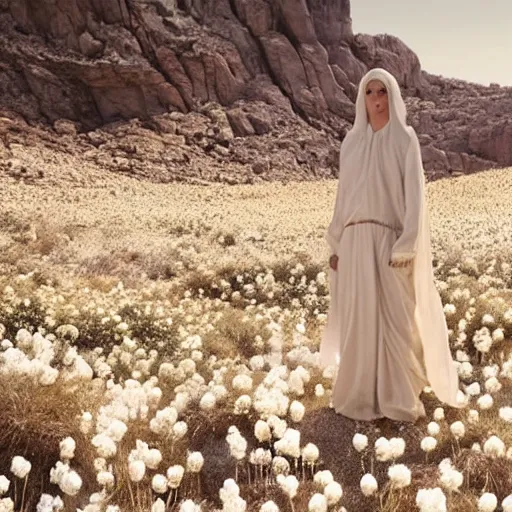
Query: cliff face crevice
[[95, 62]]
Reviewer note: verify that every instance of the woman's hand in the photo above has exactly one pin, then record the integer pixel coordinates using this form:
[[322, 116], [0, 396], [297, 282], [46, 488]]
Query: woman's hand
[[333, 261]]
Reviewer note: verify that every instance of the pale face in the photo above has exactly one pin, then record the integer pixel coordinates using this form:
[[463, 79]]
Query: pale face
[[376, 100]]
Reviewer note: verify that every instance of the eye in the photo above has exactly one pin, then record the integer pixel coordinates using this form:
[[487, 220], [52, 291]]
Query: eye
[[368, 91], [383, 91]]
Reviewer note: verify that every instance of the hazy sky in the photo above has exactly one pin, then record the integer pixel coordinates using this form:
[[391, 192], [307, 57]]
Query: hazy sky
[[467, 39]]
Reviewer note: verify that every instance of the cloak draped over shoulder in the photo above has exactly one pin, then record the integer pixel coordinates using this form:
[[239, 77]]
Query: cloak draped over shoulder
[[381, 215]]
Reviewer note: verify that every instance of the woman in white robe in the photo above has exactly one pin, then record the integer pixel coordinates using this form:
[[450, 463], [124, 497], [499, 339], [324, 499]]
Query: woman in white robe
[[385, 328]]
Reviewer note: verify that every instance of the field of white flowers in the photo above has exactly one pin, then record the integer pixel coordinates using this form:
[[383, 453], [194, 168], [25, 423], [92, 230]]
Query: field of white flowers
[[159, 352]]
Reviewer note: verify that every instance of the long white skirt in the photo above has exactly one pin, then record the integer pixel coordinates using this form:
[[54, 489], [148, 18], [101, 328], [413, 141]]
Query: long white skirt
[[371, 330]]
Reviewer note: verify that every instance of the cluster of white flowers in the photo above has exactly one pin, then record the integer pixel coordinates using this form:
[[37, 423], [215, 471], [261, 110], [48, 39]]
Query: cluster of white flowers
[[482, 340], [230, 497], [237, 443], [494, 447], [389, 449], [49, 503], [450, 478], [66, 478], [289, 444], [399, 475], [431, 500]]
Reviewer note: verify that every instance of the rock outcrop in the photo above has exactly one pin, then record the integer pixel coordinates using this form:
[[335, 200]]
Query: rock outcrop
[[268, 71]]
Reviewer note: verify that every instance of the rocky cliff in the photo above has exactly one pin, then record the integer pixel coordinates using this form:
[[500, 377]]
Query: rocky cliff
[[234, 90]]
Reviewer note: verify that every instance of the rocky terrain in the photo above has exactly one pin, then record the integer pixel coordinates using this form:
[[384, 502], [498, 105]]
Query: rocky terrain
[[236, 91]]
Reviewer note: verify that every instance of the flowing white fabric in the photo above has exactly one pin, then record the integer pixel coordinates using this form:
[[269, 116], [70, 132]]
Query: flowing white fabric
[[386, 328]]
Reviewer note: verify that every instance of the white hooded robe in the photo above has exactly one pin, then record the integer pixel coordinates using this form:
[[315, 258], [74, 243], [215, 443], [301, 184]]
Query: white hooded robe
[[386, 328]]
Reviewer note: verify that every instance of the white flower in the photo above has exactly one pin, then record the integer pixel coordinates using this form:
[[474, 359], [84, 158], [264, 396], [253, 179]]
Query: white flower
[[506, 414], [368, 484], [317, 503], [105, 479], [450, 478], [297, 411], [490, 371], [498, 335], [473, 389], [383, 449], [269, 506], [428, 444], [431, 500], [319, 390], [262, 431], [137, 470], [159, 484], [323, 478], [485, 402], [67, 448], [289, 444], [476, 447], [237, 443], [465, 370], [494, 446], [86, 423], [487, 319], [487, 502], [158, 506], [473, 416], [48, 503], [492, 385], [179, 429], [482, 340], [116, 429], [439, 414], [333, 492], [189, 506], [207, 401], [70, 483], [105, 446], [449, 309], [289, 484], [310, 453], [280, 466], [457, 429], [462, 398], [242, 382], [243, 404], [360, 442], [4, 485], [20, 466], [6, 505], [229, 491], [400, 475], [257, 363], [175, 475], [433, 428], [195, 462], [152, 458], [397, 446], [507, 502]]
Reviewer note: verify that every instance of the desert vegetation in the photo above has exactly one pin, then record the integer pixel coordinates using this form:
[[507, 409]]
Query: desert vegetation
[[159, 352]]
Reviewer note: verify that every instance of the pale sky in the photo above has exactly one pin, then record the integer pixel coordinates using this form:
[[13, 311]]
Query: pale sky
[[467, 39]]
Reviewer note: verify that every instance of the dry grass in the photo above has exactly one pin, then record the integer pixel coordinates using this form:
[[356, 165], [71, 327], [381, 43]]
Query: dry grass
[[143, 218], [162, 240], [33, 421], [234, 336]]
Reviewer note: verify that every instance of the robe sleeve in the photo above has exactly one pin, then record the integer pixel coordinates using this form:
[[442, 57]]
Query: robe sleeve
[[405, 247], [335, 229]]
